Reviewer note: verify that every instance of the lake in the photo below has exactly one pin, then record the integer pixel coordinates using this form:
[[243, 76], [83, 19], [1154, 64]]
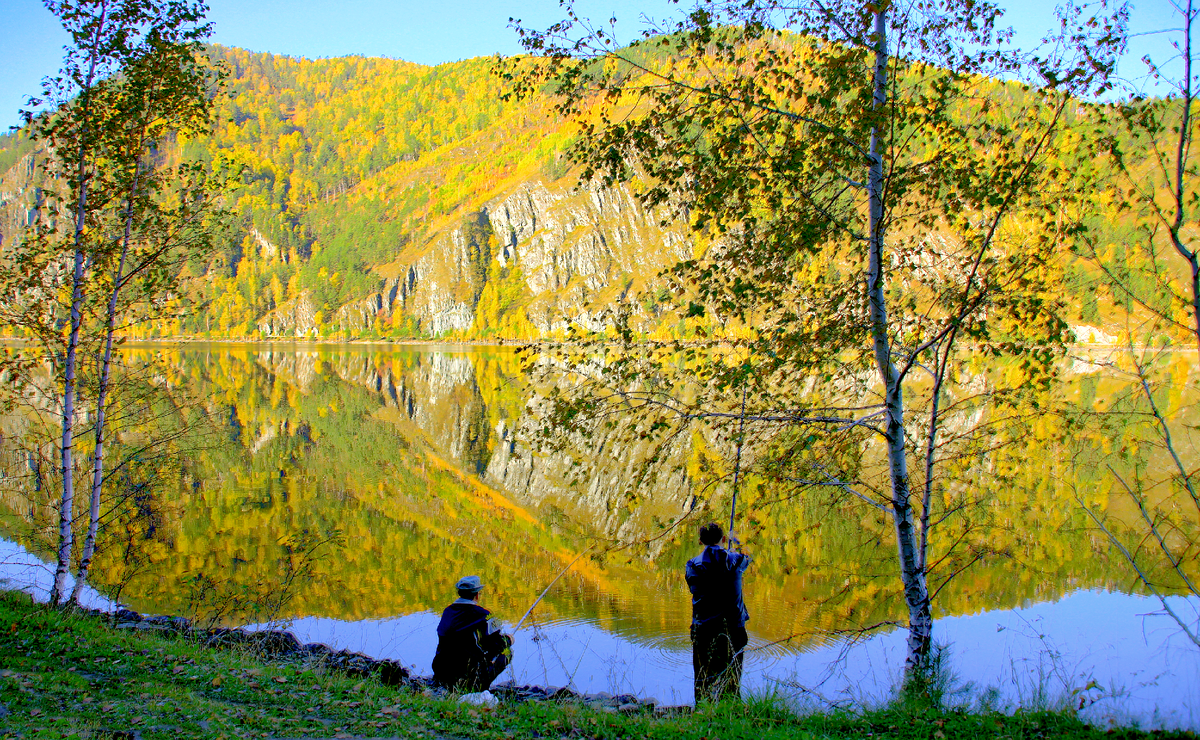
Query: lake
[[342, 490]]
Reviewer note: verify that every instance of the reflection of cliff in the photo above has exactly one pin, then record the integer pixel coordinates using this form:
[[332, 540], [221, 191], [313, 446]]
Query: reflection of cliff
[[442, 396], [608, 493], [438, 392]]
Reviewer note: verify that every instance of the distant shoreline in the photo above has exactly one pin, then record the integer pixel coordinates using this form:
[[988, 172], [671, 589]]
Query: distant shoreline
[[311, 341]]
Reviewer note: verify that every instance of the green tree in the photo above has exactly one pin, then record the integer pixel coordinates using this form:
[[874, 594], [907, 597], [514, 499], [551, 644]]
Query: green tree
[[883, 188]]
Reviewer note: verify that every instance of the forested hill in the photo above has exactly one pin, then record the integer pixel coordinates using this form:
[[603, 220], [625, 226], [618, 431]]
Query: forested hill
[[385, 199], [367, 205]]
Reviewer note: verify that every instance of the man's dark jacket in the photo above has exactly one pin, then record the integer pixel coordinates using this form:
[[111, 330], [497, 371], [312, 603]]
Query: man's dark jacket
[[718, 621], [715, 580], [468, 657]]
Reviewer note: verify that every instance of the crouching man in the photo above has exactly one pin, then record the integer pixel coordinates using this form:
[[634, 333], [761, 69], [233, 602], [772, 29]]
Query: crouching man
[[470, 653]]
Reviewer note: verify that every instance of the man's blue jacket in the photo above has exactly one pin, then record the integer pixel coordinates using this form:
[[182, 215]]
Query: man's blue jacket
[[715, 579]]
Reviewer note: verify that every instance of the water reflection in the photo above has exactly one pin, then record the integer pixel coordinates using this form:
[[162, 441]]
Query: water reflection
[[402, 465]]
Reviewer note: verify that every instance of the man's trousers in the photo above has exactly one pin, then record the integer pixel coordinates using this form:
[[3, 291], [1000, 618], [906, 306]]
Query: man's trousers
[[717, 656]]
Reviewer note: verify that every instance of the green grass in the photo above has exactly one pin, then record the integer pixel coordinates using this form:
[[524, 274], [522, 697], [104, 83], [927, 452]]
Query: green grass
[[71, 675]]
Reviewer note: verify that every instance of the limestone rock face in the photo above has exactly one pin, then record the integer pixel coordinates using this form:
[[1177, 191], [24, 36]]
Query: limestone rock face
[[578, 251], [592, 234], [581, 249], [265, 247], [20, 196], [296, 318]]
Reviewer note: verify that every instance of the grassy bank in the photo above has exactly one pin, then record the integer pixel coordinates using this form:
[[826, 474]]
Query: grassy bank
[[72, 675]]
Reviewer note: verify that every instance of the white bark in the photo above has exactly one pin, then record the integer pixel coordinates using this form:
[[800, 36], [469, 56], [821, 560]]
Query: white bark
[[912, 571], [67, 502], [89, 543]]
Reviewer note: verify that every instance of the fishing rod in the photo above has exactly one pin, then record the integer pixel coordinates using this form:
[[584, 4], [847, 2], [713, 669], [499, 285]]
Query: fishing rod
[[547, 589], [737, 464]]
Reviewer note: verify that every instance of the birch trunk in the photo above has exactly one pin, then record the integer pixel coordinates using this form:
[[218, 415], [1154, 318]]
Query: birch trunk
[[67, 502], [89, 543], [912, 572], [1181, 151]]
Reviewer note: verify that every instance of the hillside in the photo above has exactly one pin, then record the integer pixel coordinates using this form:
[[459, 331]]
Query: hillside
[[385, 199]]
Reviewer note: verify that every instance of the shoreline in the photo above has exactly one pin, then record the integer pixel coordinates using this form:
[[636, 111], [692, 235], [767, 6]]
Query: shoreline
[[68, 674], [450, 342]]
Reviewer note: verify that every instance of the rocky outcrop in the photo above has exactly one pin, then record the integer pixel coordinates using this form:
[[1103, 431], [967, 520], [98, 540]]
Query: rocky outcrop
[[296, 318], [20, 196], [580, 250], [577, 250], [448, 278], [591, 236], [362, 315], [265, 247]]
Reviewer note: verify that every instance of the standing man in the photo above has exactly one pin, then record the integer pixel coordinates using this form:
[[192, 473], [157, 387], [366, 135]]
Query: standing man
[[718, 616], [470, 653]]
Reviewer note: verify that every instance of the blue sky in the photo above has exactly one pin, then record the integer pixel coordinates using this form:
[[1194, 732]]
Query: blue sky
[[425, 32]]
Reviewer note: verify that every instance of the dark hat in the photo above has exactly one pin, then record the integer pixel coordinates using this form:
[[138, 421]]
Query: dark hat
[[469, 583]]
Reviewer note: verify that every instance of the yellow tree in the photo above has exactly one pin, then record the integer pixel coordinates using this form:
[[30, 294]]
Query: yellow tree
[[1147, 250], [84, 135]]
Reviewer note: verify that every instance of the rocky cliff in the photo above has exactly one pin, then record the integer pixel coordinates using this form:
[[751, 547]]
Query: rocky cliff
[[577, 251], [20, 196]]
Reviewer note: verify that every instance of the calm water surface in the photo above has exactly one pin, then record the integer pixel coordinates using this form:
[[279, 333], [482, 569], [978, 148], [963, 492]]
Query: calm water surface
[[358, 484]]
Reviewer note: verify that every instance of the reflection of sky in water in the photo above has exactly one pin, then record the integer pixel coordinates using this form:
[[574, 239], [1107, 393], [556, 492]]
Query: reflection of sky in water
[[1146, 670]]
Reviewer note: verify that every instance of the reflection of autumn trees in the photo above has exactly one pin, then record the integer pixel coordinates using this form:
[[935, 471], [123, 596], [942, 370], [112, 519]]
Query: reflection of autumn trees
[[1137, 500], [151, 431], [332, 441]]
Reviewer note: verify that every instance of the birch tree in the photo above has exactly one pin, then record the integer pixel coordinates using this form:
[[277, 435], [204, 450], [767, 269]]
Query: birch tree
[[164, 213], [129, 75], [880, 191]]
